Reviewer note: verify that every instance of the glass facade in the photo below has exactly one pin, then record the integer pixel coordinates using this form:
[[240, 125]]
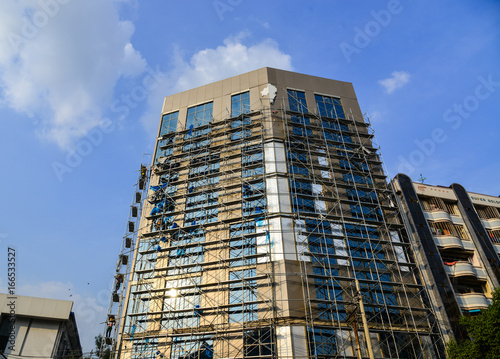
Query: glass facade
[[169, 123], [199, 115], [240, 104], [297, 101], [329, 107]]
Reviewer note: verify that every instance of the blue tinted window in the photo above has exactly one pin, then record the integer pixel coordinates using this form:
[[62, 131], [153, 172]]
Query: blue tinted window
[[361, 231], [337, 137], [300, 131], [328, 290], [241, 249], [243, 122], [239, 229], [243, 290], [240, 104], [303, 205], [163, 153], [357, 179], [199, 115], [300, 157], [359, 166], [254, 189], [169, 123], [322, 342], [315, 226], [197, 133], [254, 207], [201, 216], [369, 213], [299, 170], [202, 200], [241, 134], [297, 101], [252, 172], [363, 196], [183, 257], [301, 119], [252, 159], [301, 187], [193, 346], [334, 125], [196, 145], [194, 185], [329, 106], [204, 170]]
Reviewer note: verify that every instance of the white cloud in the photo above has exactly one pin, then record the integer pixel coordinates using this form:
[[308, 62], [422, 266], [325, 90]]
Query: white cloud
[[60, 63], [398, 80], [209, 65]]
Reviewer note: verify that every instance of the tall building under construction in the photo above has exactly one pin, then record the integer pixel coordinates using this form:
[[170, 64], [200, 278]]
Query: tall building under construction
[[264, 228]]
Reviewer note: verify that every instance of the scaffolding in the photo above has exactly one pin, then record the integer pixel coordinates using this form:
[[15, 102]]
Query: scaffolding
[[212, 275], [202, 276], [124, 263], [357, 263]]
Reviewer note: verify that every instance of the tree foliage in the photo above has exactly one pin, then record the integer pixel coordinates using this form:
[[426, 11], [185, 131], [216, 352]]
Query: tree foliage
[[484, 333], [100, 344]]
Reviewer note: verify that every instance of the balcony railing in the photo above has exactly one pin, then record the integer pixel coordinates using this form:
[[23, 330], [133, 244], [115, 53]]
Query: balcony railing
[[437, 215], [492, 223], [473, 301], [462, 268], [448, 241]]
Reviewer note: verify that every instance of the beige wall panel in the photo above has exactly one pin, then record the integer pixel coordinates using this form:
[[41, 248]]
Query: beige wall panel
[[181, 122], [175, 104], [217, 89], [226, 87], [219, 110], [235, 84], [255, 104], [244, 82], [184, 101], [167, 104], [224, 108], [41, 339], [253, 79]]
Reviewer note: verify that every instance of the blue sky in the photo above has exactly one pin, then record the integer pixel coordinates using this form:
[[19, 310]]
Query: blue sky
[[82, 82]]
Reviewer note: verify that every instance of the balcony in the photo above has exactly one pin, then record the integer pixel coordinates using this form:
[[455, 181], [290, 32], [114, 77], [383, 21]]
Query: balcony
[[469, 246], [448, 241], [461, 269], [437, 215], [457, 219], [472, 301], [492, 223]]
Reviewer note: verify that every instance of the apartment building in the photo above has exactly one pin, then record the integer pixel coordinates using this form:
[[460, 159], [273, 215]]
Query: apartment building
[[457, 238]]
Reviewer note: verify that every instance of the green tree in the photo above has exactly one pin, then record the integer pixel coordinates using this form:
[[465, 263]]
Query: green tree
[[100, 344], [484, 333]]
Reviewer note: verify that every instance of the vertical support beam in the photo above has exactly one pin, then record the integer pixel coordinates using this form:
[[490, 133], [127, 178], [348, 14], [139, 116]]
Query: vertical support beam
[[481, 240], [365, 322], [356, 336]]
